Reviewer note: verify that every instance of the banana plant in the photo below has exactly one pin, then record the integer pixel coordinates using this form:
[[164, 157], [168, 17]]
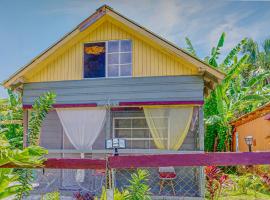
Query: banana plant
[[233, 97], [259, 57]]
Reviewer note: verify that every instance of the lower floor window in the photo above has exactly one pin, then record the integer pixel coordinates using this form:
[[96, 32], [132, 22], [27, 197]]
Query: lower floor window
[[136, 132]]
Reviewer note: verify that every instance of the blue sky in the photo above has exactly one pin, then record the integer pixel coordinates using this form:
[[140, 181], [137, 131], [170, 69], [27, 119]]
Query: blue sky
[[30, 26]]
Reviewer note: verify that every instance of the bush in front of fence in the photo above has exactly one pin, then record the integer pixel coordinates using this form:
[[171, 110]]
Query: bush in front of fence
[[216, 180], [138, 188], [242, 182]]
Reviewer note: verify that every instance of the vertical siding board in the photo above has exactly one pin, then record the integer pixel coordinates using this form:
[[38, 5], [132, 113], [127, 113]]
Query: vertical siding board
[[152, 66], [71, 63], [69, 67], [139, 58], [53, 71], [76, 61], [57, 67], [134, 54], [148, 59]]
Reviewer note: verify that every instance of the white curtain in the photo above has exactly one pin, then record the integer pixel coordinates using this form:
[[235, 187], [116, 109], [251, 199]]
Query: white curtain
[[168, 125], [82, 125]]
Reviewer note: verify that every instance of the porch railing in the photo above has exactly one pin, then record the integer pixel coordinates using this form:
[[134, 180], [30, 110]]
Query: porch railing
[[63, 174]]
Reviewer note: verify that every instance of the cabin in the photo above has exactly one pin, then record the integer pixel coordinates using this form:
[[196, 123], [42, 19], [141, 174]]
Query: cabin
[[114, 78], [255, 124]]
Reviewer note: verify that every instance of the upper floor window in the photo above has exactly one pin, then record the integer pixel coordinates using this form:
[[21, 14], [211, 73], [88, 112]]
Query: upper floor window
[[108, 59]]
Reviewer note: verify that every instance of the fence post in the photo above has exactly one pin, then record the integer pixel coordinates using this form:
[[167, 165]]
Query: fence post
[[25, 127], [109, 181]]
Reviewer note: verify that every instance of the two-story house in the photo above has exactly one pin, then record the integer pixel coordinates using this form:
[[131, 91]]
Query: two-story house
[[115, 79]]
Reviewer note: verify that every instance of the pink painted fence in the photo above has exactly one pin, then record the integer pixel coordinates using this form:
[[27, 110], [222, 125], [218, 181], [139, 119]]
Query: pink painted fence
[[140, 161]]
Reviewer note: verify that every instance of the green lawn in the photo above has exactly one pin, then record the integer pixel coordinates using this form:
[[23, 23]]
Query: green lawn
[[233, 195]]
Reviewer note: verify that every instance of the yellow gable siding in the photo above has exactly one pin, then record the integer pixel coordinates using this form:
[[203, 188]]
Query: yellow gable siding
[[147, 60]]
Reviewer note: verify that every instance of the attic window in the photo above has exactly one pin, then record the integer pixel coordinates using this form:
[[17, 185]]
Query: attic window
[[108, 59], [94, 60]]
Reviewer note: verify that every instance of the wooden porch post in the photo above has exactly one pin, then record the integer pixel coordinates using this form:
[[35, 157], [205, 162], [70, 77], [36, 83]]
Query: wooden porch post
[[25, 127], [201, 148], [201, 129]]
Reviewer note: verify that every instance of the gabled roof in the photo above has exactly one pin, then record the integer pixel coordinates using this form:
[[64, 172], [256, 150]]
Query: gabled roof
[[211, 75], [259, 112]]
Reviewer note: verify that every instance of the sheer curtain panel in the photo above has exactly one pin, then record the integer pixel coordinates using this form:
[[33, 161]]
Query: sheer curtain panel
[[82, 125], [169, 125]]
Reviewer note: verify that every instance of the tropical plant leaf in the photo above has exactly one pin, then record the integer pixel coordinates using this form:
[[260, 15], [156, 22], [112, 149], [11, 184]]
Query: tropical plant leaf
[[254, 97], [234, 52], [215, 119], [215, 52], [236, 69], [190, 47], [41, 107], [256, 79]]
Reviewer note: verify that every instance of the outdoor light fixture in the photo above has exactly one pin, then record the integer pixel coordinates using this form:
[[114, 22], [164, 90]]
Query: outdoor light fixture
[[249, 141], [115, 143]]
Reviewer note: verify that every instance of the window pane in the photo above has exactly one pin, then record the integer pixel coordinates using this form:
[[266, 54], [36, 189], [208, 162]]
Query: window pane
[[139, 123], [140, 144], [125, 45], [140, 133], [113, 58], [113, 46], [125, 58], [128, 144], [122, 123], [125, 70], [122, 133], [94, 60], [113, 70]]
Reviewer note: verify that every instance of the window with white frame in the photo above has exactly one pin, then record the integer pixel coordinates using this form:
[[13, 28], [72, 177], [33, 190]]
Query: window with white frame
[[135, 131], [108, 59], [119, 61]]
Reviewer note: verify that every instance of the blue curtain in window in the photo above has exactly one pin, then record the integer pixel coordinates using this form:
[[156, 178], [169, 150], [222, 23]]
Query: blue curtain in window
[[94, 60]]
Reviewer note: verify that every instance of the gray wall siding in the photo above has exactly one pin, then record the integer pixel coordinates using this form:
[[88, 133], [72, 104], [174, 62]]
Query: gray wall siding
[[114, 90], [51, 132], [54, 137]]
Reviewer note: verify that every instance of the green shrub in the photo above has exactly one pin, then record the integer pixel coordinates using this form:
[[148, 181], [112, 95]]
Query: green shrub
[[117, 195], [51, 196], [138, 188], [246, 182]]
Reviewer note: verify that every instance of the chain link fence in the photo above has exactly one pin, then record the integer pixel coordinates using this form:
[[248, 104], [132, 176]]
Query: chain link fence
[[176, 182], [68, 182], [224, 182]]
